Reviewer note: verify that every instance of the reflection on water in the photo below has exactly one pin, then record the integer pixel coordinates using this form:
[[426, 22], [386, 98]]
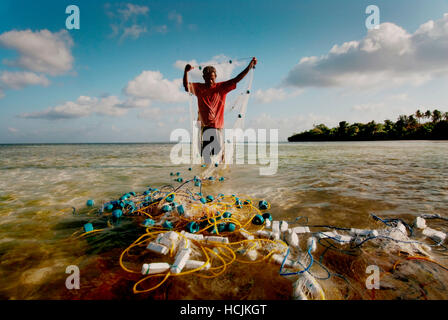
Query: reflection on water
[[328, 183]]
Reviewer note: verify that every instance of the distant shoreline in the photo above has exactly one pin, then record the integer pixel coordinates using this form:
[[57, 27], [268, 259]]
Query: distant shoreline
[[405, 128]]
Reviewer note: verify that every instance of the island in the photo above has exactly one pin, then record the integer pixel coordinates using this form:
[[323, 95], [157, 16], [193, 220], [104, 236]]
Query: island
[[412, 127]]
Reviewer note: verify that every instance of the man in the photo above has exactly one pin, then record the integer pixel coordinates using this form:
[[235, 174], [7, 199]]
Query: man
[[211, 102]]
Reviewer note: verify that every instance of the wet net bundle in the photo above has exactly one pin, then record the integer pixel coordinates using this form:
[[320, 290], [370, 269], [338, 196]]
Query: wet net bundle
[[187, 233]]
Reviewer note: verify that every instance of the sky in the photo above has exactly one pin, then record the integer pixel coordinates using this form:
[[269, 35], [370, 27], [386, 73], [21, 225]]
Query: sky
[[118, 77]]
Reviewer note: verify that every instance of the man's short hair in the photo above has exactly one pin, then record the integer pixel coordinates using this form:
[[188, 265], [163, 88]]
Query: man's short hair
[[208, 70]]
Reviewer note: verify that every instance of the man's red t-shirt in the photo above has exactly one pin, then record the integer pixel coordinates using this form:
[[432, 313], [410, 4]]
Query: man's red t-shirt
[[211, 102]]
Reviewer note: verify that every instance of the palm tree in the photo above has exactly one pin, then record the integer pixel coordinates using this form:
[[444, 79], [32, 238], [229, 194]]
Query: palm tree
[[436, 116], [418, 115], [428, 114]]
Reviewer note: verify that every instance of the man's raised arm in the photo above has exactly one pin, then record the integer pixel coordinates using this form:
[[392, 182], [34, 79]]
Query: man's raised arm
[[243, 73], [187, 68]]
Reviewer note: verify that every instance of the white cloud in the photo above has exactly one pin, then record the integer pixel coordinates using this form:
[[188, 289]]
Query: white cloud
[[13, 130], [19, 80], [2, 95], [174, 16], [132, 10], [151, 85], [83, 106], [368, 107], [151, 113], [40, 51], [274, 94], [133, 32], [160, 29], [221, 63], [136, 103], [127, 21], [386, 56]]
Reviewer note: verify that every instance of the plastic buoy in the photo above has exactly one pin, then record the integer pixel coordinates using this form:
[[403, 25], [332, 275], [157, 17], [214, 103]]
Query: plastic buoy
[[90, 203], [166, 208], [177, 173], [263, 205], [171, 174], [227, 214], [189, 235], [267, 216], [258, 220], [192, 227], [88, 227], [246, 202], [216, 164], [197, 184], [221, 227], [170, 198], [189, 169], [155, 267], [203, 200], [203, 166], [248, 91], [158, 248], [109, 207], [238, 204], [117, 213], [231, 227], [221, 179], [180, 209], [211, 178], [180, 260], [148, 222], [210, 198], [239, 115], [167, 225]]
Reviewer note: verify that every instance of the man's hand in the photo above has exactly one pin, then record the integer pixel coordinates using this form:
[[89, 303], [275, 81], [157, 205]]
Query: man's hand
[[253, 62], [188, 68]]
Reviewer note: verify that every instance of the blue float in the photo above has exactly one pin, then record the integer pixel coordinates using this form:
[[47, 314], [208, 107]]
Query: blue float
[[117, 213], [192, 227], [148, 222], [167, 224], [88, 227], [258, 220], [231, 227], [180, 209]]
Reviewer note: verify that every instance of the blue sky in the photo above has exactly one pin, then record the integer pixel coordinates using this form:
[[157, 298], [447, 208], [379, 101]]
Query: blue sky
[[117, 78]]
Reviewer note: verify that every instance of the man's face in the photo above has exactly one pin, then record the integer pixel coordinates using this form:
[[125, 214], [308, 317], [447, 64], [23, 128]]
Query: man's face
[[210, 76]]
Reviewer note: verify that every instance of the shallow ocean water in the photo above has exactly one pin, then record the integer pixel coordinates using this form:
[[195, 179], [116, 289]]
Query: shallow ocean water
[[334, 183]]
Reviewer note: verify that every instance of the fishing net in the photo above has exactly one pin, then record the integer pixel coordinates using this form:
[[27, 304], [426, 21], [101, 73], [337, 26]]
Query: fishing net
[[186, 234]]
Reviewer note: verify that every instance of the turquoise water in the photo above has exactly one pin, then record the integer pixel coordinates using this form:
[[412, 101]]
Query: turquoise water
[[338, 183]]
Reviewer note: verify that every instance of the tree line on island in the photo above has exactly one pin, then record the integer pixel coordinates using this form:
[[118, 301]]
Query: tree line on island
[[413, 127]]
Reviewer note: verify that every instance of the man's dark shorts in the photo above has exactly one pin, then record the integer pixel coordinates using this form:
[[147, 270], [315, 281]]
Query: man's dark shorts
[[211, 137]]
